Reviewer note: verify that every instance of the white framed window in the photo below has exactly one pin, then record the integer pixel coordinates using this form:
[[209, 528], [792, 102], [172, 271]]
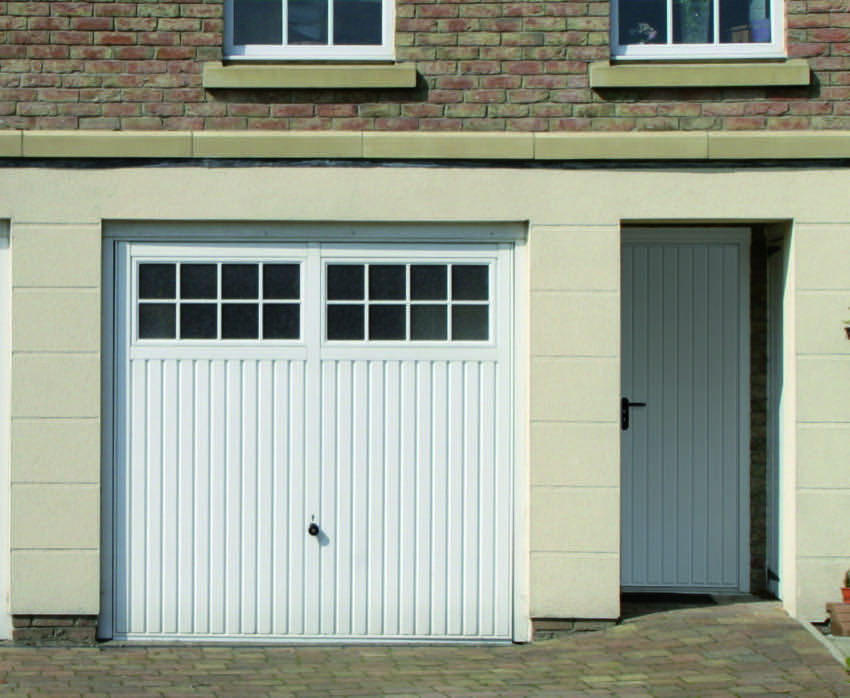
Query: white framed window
[[697, 29], [309, 29]]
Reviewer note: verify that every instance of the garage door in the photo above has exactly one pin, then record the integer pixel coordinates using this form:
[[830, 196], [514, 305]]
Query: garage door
[[312, 441]]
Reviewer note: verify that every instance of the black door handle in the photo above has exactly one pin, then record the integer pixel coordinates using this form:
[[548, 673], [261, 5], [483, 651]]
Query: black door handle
[[624, 411], [313, 529]]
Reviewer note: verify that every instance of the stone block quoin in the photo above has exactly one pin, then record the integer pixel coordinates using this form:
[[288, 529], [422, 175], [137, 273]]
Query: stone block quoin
[[483, 66]]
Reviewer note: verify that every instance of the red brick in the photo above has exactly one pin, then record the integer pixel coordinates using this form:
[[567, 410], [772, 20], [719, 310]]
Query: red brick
[[487, 96], [29, 8], [92, 23], [115, 9], [48, 23], [135, 24], [48, 52], [70, 9]]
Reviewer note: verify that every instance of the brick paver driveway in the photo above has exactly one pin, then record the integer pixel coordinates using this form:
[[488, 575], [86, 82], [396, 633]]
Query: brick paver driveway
[[738, 650]]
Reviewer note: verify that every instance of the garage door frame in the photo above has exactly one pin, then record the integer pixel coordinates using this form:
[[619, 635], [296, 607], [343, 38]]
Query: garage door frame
[[192, 233]]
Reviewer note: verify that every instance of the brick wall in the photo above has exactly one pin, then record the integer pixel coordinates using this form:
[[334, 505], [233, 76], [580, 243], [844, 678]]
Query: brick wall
[[518, 66]]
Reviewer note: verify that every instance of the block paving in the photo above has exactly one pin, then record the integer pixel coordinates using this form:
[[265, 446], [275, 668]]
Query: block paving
[[751, 649]]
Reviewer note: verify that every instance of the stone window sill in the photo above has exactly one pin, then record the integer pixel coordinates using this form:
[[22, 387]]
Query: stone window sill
[[306, 76], [741, 74]]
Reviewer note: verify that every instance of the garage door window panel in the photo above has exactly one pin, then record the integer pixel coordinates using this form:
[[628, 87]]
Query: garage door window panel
[[408, 302], [219, 301]]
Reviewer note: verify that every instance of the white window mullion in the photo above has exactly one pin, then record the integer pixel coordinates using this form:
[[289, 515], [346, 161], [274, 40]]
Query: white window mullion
[[669, 22], [715, 21], [284, 18], [330, 22]]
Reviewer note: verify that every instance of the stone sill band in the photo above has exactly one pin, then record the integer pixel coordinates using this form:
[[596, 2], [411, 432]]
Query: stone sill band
[[697, 145], [791, 73], [305, 76]]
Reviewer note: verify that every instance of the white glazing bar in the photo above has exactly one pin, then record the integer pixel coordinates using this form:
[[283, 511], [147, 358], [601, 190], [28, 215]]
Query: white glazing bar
[[670, 8], [715, 21]]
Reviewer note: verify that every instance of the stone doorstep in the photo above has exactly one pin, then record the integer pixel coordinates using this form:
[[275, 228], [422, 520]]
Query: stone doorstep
[[839, 619]]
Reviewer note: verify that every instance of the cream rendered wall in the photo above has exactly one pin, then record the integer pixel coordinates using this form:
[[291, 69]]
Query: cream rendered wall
[[822, 277], [55, 417], [575, 434], [573, 220]]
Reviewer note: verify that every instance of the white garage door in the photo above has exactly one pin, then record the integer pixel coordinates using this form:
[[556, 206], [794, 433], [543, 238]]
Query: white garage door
[[313, 441]]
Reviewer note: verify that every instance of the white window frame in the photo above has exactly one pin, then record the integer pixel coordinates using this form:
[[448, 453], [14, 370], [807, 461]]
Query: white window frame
[[713, 51], [385, 51]]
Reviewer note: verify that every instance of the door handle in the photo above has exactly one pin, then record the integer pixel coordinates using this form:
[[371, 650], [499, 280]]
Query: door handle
[[313, 529], [625, 405]]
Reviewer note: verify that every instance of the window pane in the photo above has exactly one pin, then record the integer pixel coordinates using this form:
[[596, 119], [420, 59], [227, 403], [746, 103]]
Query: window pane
[[281, 321], [345, 322], [386, 282], [345, 282], [281, 281], [198, 280], [307, 22], [239, 281], [257, 22], [470, 282], [692, 22], [157, 320], [744, 22], [642, 21], [386, 322], [357, 22], [157, 281], [470, 322], [239, 321], [428, 282], [428, 322], [198, 321]]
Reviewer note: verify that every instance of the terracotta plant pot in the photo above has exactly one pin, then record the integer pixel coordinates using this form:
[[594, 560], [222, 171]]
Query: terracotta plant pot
[[845, 594]]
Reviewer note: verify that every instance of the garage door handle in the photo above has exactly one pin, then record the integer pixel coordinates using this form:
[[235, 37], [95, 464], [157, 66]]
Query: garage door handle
[[313, 529], [624, 411]]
